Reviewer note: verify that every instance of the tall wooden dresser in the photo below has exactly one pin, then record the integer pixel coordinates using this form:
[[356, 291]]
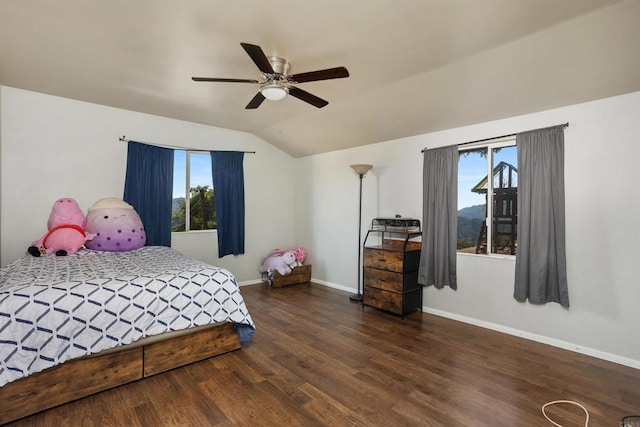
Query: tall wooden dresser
[[390, 265]]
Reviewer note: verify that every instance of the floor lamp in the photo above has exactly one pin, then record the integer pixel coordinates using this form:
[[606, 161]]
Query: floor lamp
[[361, 170]]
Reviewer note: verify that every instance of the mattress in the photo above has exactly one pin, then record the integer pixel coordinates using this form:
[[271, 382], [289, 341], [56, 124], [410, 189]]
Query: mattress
[[53, 309]]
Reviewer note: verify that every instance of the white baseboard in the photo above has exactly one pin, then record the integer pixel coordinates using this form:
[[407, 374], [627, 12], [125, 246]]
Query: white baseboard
[[319, 282], [249, 282], [332, 285]]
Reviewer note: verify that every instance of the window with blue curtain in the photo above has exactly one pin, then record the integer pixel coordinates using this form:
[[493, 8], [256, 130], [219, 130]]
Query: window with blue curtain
[[148, 188], [228, 186]]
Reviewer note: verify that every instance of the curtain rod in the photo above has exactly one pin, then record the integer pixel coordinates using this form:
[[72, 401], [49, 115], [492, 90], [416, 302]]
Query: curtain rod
[[124, 139], [501, 136]]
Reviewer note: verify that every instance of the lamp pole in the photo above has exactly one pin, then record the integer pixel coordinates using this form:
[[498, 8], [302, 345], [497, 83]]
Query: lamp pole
[[361, 170]]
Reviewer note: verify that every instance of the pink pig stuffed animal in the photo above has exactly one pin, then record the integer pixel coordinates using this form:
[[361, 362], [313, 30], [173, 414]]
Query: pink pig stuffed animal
[[66, 233]]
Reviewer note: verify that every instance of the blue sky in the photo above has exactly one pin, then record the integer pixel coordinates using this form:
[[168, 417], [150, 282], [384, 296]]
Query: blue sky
[[200, 171], [473, 168]]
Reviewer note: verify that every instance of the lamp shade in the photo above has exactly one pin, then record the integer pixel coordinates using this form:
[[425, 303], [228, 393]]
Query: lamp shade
[[361, 169], [273, 92]]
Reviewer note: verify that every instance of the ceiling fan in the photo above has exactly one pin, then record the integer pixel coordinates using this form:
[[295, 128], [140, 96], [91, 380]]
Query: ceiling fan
[[276, 81]]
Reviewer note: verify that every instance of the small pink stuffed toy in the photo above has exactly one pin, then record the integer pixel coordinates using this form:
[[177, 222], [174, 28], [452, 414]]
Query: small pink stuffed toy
[[301, 254], [66, 233]]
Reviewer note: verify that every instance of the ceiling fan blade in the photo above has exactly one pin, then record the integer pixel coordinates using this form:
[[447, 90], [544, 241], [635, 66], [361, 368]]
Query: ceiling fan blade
[[258, 57], [305, 96], [328, 74], [214, 79], [255, 102]]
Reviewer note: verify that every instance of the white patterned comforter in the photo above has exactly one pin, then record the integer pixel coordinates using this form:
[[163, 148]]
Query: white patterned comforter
[[54, 309]]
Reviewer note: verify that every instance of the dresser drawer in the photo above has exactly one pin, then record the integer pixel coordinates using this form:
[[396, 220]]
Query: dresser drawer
[[386, 260], [382, 279], [391, 301], [384, 300]]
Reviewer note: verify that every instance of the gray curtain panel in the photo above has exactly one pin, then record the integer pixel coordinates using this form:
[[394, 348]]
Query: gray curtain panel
[[440, 218], [541, 266]]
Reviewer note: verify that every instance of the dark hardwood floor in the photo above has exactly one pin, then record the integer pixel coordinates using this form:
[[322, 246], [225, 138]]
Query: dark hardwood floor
[[319, 359]]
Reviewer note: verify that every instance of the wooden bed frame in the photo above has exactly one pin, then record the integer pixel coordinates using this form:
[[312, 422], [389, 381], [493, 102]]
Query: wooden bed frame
[[89, 375]]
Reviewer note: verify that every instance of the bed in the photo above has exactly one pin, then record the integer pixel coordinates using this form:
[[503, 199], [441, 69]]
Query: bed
[[76, 325]]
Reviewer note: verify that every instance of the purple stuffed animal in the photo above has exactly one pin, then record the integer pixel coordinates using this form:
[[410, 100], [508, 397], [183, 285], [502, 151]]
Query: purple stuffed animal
[[281, 263], [117, 226], [66, 233]]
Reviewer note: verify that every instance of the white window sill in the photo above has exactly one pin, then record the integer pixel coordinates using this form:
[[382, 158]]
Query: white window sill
[[490, 256]]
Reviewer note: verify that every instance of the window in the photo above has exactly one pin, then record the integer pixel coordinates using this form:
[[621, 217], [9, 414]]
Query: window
[[488, 188], [193, 200]]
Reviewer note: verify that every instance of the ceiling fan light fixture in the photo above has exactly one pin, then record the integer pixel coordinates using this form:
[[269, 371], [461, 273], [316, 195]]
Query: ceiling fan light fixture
[[276, 82], [273, 92]]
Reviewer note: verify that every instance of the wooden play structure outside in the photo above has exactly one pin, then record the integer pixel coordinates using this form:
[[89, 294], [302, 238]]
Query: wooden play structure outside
[[504, 212]]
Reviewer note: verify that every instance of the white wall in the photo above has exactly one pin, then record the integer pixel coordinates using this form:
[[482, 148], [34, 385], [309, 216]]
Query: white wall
[[54, 147], [602, 154]]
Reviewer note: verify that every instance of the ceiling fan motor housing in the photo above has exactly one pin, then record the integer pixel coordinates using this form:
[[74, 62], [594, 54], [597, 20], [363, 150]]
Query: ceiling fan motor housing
[[275, 86], [279, 65]]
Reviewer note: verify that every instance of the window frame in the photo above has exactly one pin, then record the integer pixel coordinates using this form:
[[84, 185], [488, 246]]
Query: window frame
[[491, 145], [187, 193]]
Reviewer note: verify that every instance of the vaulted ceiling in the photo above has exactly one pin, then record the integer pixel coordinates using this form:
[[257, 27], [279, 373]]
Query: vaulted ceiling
[[415, 66]]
